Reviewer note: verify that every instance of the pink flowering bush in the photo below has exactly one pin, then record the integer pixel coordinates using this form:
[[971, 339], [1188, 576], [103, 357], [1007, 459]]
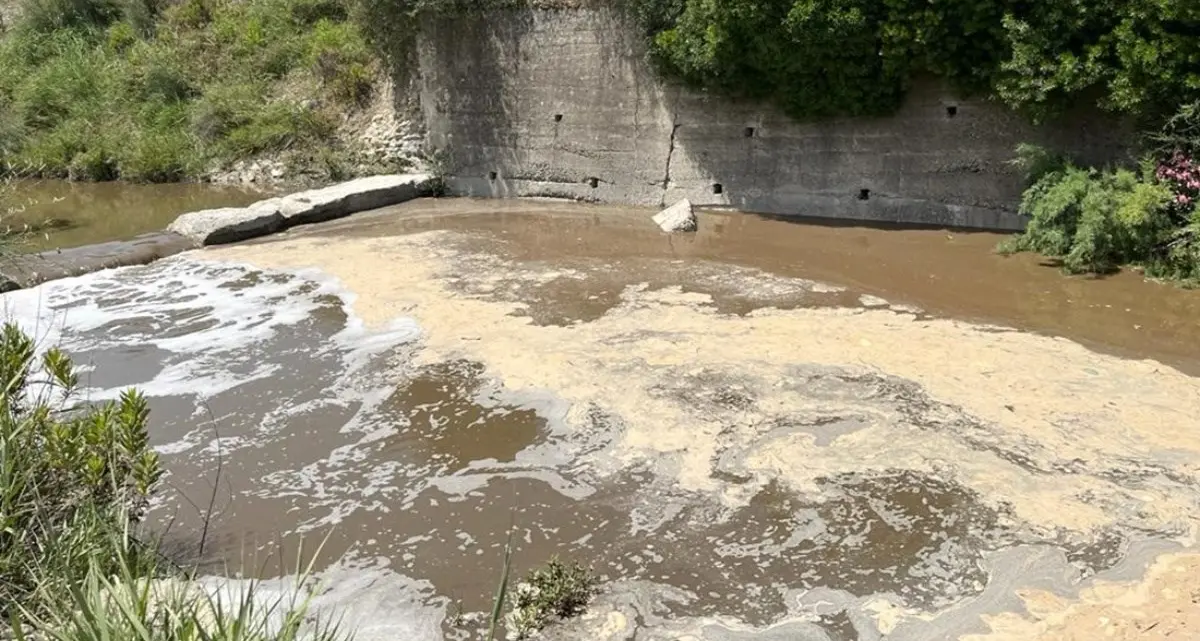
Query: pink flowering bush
[[1097, 220], [1181, 173]]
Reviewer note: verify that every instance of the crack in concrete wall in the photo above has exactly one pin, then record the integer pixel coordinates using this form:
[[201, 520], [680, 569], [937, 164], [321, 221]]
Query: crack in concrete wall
[[666, 183], [512, 90]]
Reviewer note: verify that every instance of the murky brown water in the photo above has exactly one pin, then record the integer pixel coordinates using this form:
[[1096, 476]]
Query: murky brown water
[[313, 425], [946, 273], [70, 214]]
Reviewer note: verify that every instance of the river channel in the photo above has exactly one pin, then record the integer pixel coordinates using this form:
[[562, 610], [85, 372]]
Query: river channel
[[768, 429]]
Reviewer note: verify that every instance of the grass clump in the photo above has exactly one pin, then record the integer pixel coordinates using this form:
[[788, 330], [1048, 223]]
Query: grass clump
[[150, 90], [552, 592], [76, 479]]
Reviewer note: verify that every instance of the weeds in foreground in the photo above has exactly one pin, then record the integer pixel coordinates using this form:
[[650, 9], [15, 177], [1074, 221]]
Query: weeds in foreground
[[134, 606], [75, 480], [73, 477], [553, 592]]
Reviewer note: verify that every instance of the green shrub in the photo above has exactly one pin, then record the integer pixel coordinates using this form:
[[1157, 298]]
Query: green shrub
[[1096, 221], [963, 42], [12, 130], [47, 16], [820, 58], [186, 84], [73, 478], [225, 107], [1140, 55], [815, 58], [160, 155], [1180, 259], [95, 164], [1035, 161], [73, 81], [338, 55], [50, 154], [121, 36], [1180, 133], [156, 76], [554, 591], [262, 34]]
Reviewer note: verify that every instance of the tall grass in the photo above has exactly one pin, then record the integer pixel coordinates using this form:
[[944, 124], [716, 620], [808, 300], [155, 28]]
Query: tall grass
[[130, 606], [150, 90]]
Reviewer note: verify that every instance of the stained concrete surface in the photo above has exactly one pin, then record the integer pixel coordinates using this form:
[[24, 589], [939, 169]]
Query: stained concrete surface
[[718, 425], [562, 102]]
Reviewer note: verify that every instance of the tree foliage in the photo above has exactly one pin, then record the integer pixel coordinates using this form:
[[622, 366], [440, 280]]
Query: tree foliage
[[817, 58]]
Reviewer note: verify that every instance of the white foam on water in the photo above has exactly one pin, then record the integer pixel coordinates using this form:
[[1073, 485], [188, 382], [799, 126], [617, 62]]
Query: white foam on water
[[213, 323], [207, 315]]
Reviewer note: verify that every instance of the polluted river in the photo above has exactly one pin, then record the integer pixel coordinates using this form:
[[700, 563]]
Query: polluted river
[[764, 430]]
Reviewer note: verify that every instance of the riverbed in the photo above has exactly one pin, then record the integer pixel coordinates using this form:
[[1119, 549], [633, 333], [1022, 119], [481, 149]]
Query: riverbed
[[768, 429]]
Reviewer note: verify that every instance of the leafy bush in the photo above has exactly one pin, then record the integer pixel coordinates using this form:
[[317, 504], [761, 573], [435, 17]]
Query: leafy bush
[[1035, 161], [1139, 54], [1096, 221], [815, 58], [95, 164], [1180, 133], [72, 478]]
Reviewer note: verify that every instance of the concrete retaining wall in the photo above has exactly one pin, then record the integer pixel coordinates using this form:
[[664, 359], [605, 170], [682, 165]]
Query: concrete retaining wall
[[561, 103]]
